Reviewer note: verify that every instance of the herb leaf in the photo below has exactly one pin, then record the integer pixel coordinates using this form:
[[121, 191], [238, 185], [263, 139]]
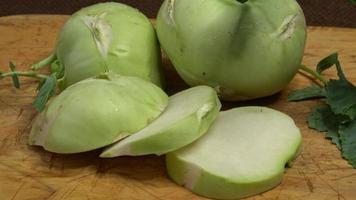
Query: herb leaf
[[348, 141], [336, 117], [324, 120], [310, 92], [47, 90], [318, 119], [334, 136], [327, 62], [15, 78], [341, 96]]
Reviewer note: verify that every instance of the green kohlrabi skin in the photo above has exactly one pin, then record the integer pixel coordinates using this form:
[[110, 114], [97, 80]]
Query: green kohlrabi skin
[[108, 37], [96, 112], [187, 117], [243, 153], [244, 50]]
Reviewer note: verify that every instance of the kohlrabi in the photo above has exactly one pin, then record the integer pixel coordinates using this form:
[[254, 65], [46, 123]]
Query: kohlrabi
[[244, 49], [96, 112], [106, 37], [187, 117], [243, 153], [103, 38]]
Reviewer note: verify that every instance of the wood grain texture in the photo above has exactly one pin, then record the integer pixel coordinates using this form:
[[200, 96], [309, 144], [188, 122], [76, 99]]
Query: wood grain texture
[[32, 173]]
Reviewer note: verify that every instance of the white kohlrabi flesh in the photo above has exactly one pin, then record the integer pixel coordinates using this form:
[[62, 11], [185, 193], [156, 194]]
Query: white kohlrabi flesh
[[243, 153], [97, 112], [187, 117], [244, 50], [106, 37]]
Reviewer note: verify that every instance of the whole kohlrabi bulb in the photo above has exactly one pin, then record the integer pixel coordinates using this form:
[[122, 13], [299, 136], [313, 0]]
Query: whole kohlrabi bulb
[[106, 37], [244, 50], [96, 112]]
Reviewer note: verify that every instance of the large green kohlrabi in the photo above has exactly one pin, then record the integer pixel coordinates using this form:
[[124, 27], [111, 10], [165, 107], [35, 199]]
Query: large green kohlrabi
[[96, 112], [244, 50], [107, 37]]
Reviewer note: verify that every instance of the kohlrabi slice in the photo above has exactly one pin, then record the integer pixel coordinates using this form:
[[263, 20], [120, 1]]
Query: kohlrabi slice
[[243, 153], [97, 112], [187, 117]]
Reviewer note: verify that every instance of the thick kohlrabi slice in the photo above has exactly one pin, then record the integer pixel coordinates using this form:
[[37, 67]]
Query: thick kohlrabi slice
[[243, 153], [188, 116], [97, 112]]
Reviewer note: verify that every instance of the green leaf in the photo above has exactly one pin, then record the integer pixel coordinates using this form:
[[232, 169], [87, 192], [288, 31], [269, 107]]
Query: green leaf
[[47, 90], [318, 118], [341, 96], [348, 142], [324, 120], [15, 78], [40, 84], [327, 62], [337, 118], [310, 92], [334, 136], [352, 1]]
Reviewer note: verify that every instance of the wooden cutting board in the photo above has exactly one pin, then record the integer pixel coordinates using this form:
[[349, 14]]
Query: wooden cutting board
[[32, 173]]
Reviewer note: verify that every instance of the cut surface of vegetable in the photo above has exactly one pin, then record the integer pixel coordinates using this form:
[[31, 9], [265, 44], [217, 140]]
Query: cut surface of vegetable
[[97, 112], [243, 153], [187, 117]]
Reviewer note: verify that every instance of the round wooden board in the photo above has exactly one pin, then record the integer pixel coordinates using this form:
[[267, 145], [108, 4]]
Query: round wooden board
[[32, 173]]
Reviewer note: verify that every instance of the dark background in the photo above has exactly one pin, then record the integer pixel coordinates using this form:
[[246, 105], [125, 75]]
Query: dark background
[[318, 12]]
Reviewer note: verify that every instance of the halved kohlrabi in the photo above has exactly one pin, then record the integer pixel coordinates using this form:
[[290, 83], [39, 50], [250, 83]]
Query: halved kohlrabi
[[243, 153], [187, 117], [97, 112]]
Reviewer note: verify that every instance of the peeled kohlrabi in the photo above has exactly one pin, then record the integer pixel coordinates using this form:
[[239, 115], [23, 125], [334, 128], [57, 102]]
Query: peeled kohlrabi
[[244, 50], [96, 112], [106, 37], [187, 117], [243, 153]]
